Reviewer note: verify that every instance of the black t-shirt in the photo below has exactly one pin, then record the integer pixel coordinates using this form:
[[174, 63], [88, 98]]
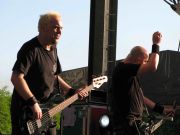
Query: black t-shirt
[[39, 67], [127, 96]]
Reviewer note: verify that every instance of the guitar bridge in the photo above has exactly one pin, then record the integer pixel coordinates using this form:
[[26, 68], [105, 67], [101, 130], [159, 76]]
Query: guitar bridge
[[30, 127]]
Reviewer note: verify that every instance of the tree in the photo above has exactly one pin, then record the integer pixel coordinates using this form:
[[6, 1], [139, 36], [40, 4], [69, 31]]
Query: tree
[[5, 120]]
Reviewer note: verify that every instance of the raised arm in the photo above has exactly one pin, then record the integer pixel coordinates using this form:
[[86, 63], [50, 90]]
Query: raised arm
[[152, 63]]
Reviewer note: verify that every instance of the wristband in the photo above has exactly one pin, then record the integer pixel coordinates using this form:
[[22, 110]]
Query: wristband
[[31, 101], [158, 108], [71, 92], [155, 48]]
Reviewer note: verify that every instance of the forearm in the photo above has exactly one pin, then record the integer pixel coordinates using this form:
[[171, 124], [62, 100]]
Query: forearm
[[149, 102], [153, 61], [65, 87], [154, 57], [154, 106]]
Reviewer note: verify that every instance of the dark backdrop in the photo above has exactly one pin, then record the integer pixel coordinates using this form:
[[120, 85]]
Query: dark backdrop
[[164, 85]]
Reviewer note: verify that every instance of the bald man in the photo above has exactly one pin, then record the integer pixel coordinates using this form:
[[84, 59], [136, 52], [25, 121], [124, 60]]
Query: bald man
[[127, 96]]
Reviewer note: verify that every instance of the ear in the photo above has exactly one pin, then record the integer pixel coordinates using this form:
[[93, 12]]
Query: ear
[[139, 60]]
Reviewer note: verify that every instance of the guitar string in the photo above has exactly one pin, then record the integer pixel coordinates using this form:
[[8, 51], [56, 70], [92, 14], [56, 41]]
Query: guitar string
[[45, 118]]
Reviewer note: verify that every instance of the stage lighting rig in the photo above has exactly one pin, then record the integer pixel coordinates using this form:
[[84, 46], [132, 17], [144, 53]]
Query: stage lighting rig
[[174, 4]]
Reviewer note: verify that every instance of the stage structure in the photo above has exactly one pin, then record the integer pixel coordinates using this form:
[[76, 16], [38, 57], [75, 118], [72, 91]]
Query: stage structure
[[101, 61], [174, 4], [102, 44], [102, 57]]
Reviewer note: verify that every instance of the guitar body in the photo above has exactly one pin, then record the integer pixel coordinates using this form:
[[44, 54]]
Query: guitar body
[[150, 128], [153, 123], [29, 126]]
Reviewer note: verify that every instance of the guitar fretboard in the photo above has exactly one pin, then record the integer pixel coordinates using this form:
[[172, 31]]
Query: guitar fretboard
[[67, 102]]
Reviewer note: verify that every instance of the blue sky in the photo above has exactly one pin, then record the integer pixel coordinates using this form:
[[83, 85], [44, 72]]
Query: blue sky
[[136, 23]]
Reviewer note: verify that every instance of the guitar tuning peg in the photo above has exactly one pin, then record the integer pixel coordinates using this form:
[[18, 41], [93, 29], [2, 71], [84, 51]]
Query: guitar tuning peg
[[94, 76]]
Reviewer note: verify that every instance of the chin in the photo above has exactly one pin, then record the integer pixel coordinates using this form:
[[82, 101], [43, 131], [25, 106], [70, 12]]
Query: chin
[[54, 42]]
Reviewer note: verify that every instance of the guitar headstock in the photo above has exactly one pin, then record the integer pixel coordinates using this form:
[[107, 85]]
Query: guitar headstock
[[98, 81]]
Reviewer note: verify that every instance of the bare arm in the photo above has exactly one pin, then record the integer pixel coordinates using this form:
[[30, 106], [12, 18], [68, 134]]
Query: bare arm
[[23, 90], [20, 85], [66, 87], [149, 102], [153, 61]]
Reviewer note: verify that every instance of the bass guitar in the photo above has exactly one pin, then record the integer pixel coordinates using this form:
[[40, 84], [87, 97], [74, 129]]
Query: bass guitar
[[31, 126], [154, 122]]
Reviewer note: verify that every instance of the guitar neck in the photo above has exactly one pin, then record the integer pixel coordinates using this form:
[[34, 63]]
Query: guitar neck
[[67, 102]]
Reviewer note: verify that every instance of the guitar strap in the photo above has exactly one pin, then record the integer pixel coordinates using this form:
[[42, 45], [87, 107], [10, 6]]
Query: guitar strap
[[58, 70]]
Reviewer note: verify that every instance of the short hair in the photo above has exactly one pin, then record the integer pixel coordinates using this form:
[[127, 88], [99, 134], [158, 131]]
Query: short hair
[[46, 18]]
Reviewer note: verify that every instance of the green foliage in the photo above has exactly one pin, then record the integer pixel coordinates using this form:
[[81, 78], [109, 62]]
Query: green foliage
[[57, 118], [5, 119]]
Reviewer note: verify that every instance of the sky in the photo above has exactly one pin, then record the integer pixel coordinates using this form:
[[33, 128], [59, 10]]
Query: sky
[[137, 21]]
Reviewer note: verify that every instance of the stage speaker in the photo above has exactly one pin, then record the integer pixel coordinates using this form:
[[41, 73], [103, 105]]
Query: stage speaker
[[94, 114], [82, 120], [73, 120]]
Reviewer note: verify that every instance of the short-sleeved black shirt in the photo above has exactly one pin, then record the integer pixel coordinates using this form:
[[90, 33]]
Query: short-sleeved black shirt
[[39, 67], [127, 96]]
